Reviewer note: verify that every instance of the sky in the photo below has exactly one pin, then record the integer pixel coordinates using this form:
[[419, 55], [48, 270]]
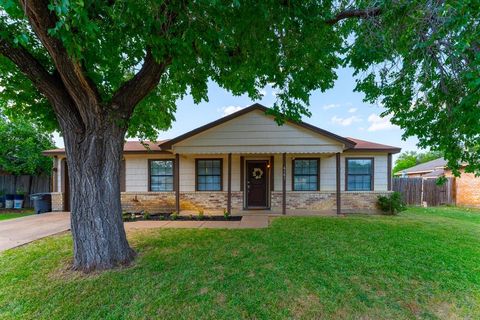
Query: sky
[[339, 110]]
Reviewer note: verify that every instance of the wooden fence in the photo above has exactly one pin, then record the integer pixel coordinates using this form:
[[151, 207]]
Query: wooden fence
[[416, 190], [29, 184]]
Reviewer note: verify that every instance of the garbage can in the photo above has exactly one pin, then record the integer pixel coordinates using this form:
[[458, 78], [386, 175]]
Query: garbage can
[[9, 201], [42, 202]]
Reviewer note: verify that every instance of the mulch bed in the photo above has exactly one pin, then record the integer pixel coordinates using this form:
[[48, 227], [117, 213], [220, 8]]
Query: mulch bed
[[139, 216]]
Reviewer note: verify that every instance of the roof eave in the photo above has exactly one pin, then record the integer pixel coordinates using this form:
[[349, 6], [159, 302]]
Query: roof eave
[[387, 150]]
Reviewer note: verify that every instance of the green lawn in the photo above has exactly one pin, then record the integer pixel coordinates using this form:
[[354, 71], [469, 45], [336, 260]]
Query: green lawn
[[4, 215], [424, 263]]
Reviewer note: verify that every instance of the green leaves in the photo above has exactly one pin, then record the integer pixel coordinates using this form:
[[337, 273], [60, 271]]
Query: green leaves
[[21, 148], [422, 63], [409, 159], [419, 59]]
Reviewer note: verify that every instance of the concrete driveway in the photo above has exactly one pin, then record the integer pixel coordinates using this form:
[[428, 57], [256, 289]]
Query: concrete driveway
[[19, 231]]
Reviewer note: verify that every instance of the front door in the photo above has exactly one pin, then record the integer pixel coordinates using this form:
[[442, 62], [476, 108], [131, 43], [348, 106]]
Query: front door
[[257, 177]]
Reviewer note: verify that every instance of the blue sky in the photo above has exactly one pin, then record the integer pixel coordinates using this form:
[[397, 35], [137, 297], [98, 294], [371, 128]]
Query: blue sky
[[339, 110]]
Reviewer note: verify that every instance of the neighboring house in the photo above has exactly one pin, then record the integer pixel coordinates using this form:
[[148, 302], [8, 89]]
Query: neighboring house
[[466, 187], [431, 169], [244, 162]]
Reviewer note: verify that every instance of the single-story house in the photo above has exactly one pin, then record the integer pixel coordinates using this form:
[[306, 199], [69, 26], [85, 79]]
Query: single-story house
[[466, 187], [245, 162], [431, 169]]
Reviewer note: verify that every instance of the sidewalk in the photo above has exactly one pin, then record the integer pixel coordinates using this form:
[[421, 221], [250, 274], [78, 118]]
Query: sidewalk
[[247, 222]]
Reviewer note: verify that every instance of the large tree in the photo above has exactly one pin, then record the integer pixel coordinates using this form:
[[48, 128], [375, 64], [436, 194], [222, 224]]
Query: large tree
[[100, 70]]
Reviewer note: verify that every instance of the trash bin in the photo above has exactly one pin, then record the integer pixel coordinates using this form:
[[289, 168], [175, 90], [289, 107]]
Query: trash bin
[[42, 202], [9, 201]]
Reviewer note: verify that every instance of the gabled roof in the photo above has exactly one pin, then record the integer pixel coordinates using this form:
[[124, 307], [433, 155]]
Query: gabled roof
[[429, 166], [363, 145], [168, 144], [163, 146]]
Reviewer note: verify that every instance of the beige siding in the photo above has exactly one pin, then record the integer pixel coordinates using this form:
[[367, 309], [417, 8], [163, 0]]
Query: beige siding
[[136, 171], [380, 166], [255, 132], [136, 167]]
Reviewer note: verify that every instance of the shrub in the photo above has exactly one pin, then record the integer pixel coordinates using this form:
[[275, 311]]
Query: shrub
[[226, 214], [146, 215], [391, 204], [201, 215], [174, 215]]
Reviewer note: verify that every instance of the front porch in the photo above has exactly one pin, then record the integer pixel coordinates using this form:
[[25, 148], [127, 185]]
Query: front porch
[[250, 184]]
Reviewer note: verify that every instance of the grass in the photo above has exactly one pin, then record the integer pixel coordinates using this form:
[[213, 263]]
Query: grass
[[424, 263], [6, 214]]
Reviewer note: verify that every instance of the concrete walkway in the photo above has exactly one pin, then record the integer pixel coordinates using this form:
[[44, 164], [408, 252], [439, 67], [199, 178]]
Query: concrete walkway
[[20, 231], [250, 222]]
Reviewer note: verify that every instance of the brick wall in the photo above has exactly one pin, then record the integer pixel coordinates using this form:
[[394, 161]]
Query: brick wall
[[216, 202], [325, 202], [468, 190], [148, 201], [210, 202], [57, 201]]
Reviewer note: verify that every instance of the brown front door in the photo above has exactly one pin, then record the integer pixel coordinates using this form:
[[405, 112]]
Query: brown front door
[[257, 177]]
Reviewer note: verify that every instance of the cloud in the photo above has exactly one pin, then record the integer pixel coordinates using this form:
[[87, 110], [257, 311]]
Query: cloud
[[230, 109], [352, 110], [331, 106], [346, 121], [378, 123]]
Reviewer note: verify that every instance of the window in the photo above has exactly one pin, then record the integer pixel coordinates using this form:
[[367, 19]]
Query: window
[[209, 174], [306, 174], [359, 174], [161, 175]]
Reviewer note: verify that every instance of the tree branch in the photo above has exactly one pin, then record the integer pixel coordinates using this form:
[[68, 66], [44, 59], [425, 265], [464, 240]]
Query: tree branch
[[47, 84], [78, 85], [135, 89], [355, 13], [30, 66]]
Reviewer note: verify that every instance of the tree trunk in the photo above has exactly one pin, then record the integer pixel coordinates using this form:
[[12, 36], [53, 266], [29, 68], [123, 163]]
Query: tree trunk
[[94, 158]]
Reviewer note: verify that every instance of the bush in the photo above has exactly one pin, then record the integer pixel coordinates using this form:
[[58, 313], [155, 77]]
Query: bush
[[174, 215], [201, 215], [226, 214], [146, 215], [392, 204]]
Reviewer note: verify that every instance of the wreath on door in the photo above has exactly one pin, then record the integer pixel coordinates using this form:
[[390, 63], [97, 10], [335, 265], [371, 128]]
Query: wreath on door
[[257, 173]]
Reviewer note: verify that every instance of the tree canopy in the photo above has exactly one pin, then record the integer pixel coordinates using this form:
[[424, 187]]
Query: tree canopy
[[21, 148], [409, 159], [420, 59]]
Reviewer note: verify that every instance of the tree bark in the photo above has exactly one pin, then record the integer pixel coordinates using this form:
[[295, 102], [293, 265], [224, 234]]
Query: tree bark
[[94, 158]]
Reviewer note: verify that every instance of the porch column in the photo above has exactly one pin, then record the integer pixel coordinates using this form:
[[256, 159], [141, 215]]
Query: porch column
[[339, 200], [176, 182], [284, 183], [229, 184], [389, 172], [55, 174]]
